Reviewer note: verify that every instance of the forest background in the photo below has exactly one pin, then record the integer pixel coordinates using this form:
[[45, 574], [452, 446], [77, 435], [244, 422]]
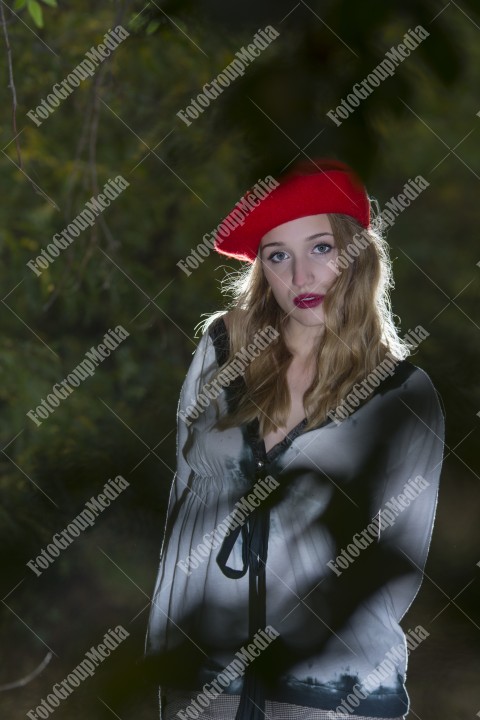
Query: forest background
[[183, 178]]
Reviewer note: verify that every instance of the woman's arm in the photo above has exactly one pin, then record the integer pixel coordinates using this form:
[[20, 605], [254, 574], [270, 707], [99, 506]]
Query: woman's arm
[[407, 499], [202, 360]]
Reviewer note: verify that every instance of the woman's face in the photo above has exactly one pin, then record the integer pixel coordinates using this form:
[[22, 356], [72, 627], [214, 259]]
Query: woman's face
[[295, 259]]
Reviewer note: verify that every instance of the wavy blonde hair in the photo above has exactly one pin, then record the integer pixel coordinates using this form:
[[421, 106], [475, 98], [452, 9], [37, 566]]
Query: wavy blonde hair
[[359, 331]]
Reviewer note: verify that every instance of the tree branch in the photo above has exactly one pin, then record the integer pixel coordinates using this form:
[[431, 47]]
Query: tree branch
[[28, 678], [11, 84]]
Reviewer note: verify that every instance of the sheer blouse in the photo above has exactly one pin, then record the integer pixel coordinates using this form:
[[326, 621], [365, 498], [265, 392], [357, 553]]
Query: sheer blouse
[[330, 558]]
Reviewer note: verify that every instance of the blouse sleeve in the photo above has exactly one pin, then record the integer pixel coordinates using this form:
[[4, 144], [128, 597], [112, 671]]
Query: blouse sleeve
[[202, 362], [406, 501]]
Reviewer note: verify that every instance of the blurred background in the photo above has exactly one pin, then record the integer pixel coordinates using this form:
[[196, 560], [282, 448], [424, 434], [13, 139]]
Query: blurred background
[[183, 179]]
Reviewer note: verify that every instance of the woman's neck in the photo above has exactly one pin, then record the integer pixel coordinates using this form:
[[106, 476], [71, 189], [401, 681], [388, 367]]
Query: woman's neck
[[302, 341]]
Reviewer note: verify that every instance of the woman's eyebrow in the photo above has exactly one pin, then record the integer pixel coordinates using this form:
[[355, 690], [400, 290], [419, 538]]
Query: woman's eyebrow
[[309, 237]]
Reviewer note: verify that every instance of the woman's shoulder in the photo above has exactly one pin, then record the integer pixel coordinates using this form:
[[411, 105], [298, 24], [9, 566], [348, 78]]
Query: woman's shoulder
[[227, 319], [417, 375], [217, 334], [222, 322], [220, 325], [412, 388]]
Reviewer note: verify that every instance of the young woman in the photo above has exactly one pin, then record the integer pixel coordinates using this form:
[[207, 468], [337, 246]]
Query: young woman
[[308, 459]]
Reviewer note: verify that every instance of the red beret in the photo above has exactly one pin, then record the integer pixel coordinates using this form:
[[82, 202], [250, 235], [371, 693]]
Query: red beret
[[321, 186]]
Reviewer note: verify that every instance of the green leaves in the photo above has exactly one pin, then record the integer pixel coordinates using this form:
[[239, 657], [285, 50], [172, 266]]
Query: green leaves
[[36, 13], [153, 26], [34, 9]]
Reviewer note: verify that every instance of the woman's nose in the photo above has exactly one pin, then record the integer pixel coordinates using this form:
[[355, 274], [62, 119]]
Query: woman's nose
[[301, 272]]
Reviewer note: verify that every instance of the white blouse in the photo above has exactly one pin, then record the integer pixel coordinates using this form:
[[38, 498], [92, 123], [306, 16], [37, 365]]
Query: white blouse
[[330, 557]]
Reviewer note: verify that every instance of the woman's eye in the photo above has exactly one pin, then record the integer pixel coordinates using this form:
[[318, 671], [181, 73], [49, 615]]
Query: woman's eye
[[274, 257], [323, 248]]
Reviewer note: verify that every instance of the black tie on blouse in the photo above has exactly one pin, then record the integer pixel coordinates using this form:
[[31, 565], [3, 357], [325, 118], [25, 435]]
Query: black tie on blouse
[[254, 531]]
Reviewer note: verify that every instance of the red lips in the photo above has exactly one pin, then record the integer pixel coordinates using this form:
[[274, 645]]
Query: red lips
[[308, 300]]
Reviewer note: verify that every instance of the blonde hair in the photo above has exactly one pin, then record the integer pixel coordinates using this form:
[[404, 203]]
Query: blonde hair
[[359, 332]]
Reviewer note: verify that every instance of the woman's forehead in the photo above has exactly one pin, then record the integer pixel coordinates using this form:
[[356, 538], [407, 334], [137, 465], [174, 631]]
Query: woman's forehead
[[298, 229]]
